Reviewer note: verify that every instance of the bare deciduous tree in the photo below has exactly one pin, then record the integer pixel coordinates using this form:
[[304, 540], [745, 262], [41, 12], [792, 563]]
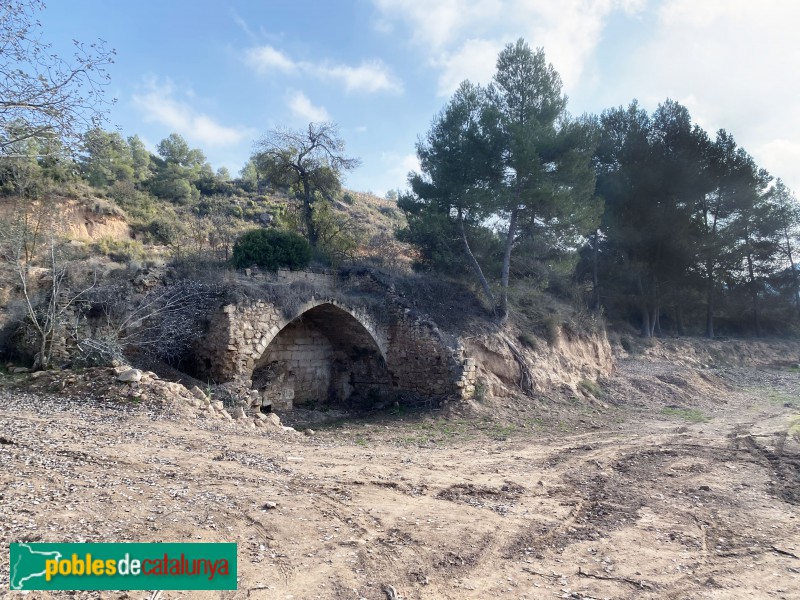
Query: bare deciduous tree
[[31, 246], [44, 97]]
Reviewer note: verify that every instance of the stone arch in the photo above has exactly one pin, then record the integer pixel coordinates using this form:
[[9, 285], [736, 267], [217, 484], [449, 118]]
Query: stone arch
[[360, 316], [327, 354]]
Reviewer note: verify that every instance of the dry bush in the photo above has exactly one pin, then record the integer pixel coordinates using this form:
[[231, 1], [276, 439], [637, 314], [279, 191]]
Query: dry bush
[[164, 322]]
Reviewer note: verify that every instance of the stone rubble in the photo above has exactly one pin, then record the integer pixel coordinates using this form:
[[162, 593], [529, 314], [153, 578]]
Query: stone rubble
[[126, 385]]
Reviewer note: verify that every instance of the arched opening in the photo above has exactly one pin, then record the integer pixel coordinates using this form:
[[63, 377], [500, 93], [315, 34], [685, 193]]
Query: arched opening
[[323, 357]]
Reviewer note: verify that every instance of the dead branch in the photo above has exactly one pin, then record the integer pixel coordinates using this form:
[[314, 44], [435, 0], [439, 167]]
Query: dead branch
[[643, 585], [783, 552]]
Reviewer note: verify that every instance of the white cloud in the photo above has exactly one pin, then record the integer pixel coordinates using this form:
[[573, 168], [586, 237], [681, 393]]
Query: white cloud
[[569, 31], [474, 60], [383, 172], [242, 25], [398, 168], [158, 103], [267, 58], [702, 14], [733, 61], [303, 109], [782, 156], [437, 25], [369, 77]]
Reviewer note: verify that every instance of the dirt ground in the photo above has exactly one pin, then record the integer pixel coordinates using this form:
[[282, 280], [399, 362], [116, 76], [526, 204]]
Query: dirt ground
[[681, 481]]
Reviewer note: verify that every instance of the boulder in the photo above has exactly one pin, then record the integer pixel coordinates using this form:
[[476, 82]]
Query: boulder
[[130, 376], [198, 393]]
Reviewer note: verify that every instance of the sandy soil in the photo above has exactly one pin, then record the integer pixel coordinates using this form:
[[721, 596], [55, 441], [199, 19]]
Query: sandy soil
[[680, 483]]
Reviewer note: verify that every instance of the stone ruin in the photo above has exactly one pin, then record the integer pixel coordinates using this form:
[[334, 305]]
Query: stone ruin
[[332, 349]]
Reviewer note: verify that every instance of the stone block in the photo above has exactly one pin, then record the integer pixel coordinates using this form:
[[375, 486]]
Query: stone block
[[130, 376]]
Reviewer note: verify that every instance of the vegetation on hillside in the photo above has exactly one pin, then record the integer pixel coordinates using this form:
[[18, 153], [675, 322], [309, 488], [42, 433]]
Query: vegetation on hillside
[[645, 218]]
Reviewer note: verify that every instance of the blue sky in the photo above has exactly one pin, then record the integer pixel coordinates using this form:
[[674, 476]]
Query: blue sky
[[223, 73]]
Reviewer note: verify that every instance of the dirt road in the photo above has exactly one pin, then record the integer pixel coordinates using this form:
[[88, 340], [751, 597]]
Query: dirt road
[[666, 492]]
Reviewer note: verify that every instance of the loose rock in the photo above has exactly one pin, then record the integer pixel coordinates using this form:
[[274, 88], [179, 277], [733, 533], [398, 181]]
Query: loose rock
[[130, 376]]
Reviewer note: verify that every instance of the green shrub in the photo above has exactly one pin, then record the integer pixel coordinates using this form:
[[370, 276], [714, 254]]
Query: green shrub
[[692, 415], [480, 390], [591, 387], [271, 249], [138, 205], [529, 341], [552, 329], [388, 211], [121, 251], [165, 229], [627, 345]]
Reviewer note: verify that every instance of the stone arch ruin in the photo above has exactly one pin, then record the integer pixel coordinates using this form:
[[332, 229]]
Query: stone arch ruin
[[324, 356], [331, 349]]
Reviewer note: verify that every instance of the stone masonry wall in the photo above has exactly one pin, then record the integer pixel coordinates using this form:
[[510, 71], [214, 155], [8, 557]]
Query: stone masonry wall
[[305, 353], [418, 360]]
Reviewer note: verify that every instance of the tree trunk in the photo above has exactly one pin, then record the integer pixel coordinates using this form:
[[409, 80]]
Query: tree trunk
[[512, 226], [645, 330], [709, 300], [753, 289], [679, 321], [308, 214], [655, 325], [754, 295], [476, 265], [795, 282], [595, 278]]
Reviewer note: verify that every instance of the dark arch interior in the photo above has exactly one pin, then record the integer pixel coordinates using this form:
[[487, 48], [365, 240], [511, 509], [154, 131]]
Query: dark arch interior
[[323, 357]]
